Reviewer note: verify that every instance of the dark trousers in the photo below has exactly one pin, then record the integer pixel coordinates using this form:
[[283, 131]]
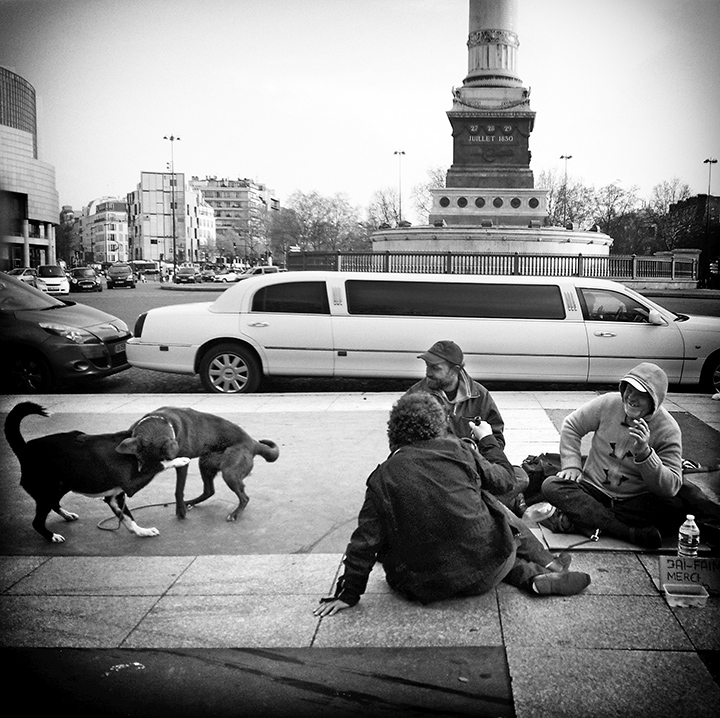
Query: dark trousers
[[522, 481], [589, 508], [529, 559]]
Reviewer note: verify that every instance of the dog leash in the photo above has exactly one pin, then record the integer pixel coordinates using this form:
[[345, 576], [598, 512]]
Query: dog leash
[[594, 537], [119, 522]]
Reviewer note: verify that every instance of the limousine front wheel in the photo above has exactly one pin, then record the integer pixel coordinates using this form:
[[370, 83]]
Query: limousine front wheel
[[229, 369]]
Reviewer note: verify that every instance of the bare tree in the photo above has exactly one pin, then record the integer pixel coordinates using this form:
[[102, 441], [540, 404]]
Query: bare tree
[[325, 223], [284, 231], [612, 204], [384, 208], [672, 226], [421, 195], [568, 201]]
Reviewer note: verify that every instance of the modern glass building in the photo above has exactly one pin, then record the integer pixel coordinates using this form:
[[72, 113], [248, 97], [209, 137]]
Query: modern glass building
[[29, 202]]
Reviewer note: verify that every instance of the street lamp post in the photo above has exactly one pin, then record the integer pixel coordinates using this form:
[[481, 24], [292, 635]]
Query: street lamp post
[[566, 158], [399, 154], [172, 139], [710, 161]]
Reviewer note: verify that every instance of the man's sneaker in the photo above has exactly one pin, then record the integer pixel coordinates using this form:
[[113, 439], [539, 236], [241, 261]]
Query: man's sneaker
[[558, 523], [560, 584]]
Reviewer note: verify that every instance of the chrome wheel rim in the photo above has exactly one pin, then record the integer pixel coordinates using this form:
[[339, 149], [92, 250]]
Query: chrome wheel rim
[[228, 373]]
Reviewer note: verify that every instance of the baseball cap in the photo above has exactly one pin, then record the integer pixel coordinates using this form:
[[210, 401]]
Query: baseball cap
[[634, 382], [444, 350]]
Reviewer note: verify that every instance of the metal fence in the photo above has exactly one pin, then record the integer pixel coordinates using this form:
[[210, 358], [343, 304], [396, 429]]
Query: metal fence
[[611, 267]]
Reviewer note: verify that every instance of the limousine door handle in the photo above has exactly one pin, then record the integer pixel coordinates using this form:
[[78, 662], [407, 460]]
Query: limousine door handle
[[605, 334], [259, 324]]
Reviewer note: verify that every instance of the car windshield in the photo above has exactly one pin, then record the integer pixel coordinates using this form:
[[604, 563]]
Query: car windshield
[[86, 272], [50, 270], [16, 272], [16, 295], [120, 269]]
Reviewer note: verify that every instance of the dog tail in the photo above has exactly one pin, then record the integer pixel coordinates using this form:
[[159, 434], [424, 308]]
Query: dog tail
[[267, 449], [12, 424]]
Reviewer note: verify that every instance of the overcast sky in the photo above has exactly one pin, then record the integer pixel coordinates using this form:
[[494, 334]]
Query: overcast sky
[[319, 94]]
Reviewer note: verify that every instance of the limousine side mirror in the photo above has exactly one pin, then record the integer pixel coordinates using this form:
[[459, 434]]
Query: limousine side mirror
[[656, 318]]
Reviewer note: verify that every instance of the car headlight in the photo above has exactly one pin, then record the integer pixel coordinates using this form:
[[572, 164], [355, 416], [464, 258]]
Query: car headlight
[[73, 334]]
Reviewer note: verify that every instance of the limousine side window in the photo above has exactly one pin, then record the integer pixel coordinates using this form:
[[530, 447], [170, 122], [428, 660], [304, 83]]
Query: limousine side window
[[292, 298], [446, 299], [604, 305]]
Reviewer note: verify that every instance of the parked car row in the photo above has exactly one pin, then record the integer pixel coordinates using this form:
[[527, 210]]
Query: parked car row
[[333, 324], [29, 275], [54, 279]]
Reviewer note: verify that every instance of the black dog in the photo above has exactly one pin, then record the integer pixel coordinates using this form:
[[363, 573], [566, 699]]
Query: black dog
[[89, 464], [221, 446]]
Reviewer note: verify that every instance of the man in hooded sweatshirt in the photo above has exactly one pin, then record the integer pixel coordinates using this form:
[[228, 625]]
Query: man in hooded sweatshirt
[[627, 486]]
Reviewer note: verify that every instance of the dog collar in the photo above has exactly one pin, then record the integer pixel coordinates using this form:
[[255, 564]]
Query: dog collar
[[162, 418]]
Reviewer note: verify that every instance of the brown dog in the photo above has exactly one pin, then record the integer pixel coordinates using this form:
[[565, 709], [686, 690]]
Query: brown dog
[[220, 445], [53, 465]]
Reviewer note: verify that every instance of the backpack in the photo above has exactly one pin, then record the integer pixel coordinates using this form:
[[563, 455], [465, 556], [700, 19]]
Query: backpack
[[538, 468]]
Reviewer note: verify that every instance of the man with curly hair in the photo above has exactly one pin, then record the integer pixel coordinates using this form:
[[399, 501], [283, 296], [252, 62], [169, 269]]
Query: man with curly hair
[[431, 517]]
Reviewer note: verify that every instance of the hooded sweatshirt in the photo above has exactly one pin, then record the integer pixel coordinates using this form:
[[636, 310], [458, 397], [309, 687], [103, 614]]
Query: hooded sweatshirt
[[611, 465]]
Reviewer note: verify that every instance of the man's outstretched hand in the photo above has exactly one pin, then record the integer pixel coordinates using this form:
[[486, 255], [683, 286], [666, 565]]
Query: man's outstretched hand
[[330, 606]]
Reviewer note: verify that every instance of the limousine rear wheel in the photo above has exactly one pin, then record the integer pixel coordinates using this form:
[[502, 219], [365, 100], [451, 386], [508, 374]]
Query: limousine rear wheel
[[229, 369]]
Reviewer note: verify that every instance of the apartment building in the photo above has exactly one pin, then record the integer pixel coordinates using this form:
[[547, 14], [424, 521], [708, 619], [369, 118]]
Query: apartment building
[[243, 209], [167, 218], [103, 231]]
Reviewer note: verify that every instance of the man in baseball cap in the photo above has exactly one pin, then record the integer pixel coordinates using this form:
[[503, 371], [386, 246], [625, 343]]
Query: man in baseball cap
[[466, 400], [444, 351]]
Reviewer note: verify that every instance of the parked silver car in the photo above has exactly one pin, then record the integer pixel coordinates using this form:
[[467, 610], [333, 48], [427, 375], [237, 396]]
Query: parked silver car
[[45, 340]]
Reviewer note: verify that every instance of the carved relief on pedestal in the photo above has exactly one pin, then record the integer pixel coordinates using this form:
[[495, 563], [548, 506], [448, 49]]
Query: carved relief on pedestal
[[493, 37]]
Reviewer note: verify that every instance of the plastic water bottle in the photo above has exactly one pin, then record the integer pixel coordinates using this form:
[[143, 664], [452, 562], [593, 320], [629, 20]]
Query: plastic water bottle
[[688, 538]]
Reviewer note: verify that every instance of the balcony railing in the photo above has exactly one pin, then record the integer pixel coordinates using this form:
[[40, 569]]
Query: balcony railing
[[610, 267]]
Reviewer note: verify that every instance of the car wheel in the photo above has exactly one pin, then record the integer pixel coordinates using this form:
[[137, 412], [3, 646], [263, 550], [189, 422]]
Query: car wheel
[[710, 377], [229, 369], [26, 371]]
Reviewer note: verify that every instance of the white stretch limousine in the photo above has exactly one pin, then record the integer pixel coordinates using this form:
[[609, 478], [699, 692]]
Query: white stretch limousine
[[564, 329]]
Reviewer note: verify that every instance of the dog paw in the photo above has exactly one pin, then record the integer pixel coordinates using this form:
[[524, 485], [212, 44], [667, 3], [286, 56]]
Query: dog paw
[[57, 538], [144, 533], [69, 515]]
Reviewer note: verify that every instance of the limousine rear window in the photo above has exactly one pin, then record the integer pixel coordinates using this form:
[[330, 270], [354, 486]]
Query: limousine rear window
[[446, 299], [292, 298]]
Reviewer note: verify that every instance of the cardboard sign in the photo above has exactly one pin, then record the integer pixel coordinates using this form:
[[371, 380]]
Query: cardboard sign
[[702, 570]]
